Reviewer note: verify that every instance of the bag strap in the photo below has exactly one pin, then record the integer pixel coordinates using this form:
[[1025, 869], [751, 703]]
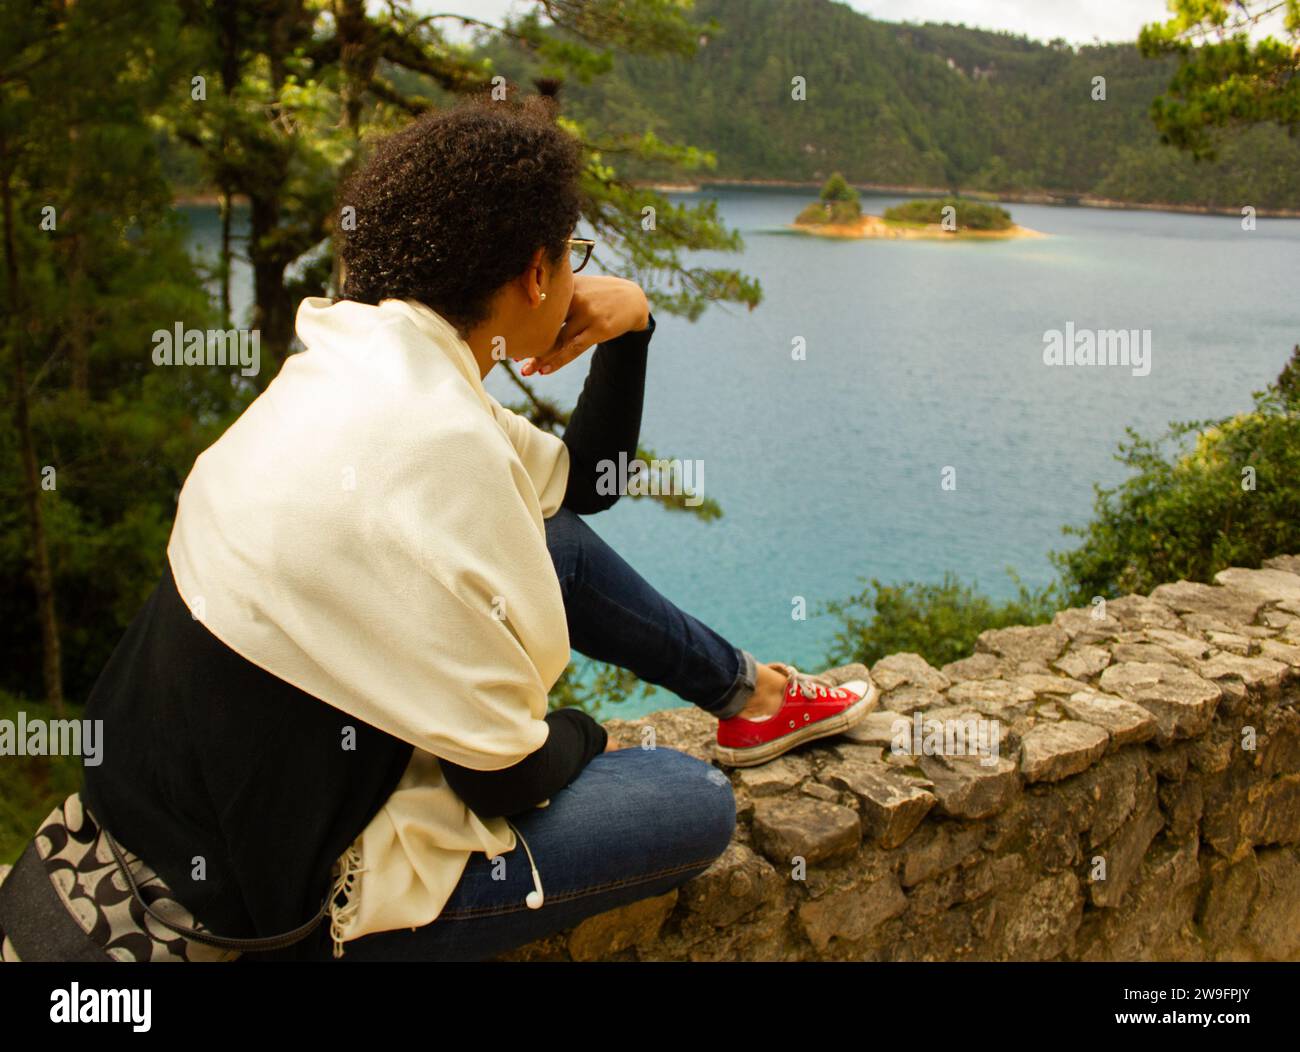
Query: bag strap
[[268, 942], [35, 918]]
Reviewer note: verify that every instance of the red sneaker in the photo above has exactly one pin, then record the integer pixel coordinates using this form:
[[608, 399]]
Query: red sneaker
[[812, 708]]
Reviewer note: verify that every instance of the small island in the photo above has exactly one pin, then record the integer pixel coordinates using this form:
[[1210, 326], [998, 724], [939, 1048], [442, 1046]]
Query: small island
[[838, 213]]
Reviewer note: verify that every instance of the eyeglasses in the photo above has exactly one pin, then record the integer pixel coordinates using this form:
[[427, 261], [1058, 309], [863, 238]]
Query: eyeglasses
[[580, 251]]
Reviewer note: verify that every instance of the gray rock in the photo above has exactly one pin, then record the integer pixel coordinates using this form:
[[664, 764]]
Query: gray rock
[[608, 933], [977, 666], [879, 728], [968, 788], [899, 670], [937, 849], [1140, 612], [1083, 626], [1083, 662], [738, 882], [1273, 925], [1288, 563], [786, 828], [1205, 625], [1125, 722], [1123, 854], [851, 913], [891, 805], [774, 777], [1184, 647], [1143, 652], [911, 699], [1252, 671], [1182, 702], [1039, 643], [1189, 597], [1286, 653], [1049, 686], [990, 696], [1054, 751], [1271, 585]]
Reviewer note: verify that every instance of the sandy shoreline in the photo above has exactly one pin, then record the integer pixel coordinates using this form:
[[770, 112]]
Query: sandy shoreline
[[876, 227], [1026, 198]]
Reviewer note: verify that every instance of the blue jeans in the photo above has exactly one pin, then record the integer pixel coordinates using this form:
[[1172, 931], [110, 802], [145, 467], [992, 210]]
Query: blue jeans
[[636, 822]]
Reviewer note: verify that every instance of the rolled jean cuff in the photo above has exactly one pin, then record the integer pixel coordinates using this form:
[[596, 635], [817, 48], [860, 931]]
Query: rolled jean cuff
[[742, 690]]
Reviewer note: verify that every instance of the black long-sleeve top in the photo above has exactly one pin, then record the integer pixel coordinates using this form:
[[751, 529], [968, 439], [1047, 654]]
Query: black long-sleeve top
[[605, 422], [607, 418]]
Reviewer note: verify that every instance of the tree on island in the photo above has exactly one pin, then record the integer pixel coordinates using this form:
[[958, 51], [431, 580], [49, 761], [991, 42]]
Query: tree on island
[[838, 204], [965, 215]]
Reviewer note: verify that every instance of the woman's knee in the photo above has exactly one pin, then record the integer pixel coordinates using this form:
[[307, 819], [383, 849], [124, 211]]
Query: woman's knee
[[697, 795]]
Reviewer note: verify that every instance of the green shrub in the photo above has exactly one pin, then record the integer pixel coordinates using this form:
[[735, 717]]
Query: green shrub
[[837, 190], [31, 786], [968, 215], [1204, 496], [937, 621], [838, 212], [838, 204]]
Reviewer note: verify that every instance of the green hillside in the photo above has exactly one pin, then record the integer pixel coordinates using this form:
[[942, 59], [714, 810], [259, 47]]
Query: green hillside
[[937, 106]]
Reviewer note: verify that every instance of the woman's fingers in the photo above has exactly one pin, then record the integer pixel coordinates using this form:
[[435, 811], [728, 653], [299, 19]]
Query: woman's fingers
[[569, 347]]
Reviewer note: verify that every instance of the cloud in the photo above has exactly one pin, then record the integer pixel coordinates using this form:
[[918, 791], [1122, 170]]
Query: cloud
[[1078, 21]]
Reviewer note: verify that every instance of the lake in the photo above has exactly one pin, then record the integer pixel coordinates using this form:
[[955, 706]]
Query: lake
[[924, 361]]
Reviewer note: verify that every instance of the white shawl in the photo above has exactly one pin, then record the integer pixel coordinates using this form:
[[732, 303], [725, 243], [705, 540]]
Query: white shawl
[[371, 531]]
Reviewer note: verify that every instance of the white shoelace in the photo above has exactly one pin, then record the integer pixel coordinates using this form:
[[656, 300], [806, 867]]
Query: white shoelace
[[808, 685]]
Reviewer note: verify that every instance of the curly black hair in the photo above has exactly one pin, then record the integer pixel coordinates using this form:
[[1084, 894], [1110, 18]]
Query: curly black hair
[[454, 205]]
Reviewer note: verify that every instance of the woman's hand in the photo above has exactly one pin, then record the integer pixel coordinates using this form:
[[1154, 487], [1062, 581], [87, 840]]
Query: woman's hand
[[611, 745], [602, 307]]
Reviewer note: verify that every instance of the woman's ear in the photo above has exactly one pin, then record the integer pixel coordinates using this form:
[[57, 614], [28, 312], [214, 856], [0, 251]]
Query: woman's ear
[[536, 277]]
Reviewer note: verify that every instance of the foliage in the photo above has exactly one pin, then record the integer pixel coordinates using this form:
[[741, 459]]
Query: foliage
[[938, 621], [1224, 78], [272, 101], [836, 212], [1204, 496], [113, 434], [836, 189], [592, 685], [966, 215], [838, 204], [31, 786]]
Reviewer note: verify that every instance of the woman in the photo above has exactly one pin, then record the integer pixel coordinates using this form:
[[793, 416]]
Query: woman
[[377, 573]]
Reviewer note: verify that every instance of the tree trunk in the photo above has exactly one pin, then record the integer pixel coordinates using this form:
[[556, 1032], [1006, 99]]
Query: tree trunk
[[225, 257], [273, 313], [42, 577]]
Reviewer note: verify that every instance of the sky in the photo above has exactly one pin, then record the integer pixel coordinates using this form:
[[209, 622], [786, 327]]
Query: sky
[[1078, 21]]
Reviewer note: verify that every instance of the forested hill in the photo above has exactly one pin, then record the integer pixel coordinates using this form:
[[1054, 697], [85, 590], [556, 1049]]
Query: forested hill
[[938, 106]]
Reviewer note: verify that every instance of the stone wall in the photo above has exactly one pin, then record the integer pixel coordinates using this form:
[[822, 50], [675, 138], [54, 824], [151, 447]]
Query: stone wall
[[1144, 803]]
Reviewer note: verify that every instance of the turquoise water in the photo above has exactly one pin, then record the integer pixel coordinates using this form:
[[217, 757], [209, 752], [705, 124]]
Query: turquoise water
[[923, 356]]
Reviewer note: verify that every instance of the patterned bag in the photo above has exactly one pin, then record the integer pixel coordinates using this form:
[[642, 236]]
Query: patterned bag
[[75, 894]]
